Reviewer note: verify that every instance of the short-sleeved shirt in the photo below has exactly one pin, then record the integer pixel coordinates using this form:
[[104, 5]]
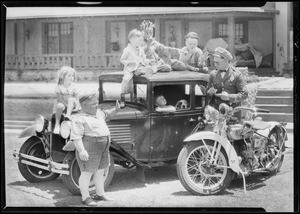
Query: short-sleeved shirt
[[94, 126], [194, 59], [66, 93]]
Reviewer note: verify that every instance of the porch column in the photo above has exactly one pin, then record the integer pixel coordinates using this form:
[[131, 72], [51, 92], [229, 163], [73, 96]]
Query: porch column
[[231, 34], [157, 29], [86, 42]]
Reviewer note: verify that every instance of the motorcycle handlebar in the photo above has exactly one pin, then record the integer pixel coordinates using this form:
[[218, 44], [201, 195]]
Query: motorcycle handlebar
[[262, 110], [251, 109]]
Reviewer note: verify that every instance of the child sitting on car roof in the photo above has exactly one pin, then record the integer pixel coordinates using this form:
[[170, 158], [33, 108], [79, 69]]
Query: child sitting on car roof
[[157, 52], [135, 63], [192, 56]]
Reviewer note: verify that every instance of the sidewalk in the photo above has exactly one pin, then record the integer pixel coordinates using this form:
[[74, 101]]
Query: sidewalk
[[35, 91], [46, 90], [41, 90]]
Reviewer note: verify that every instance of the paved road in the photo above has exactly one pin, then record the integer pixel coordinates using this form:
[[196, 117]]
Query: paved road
[[161, 189]]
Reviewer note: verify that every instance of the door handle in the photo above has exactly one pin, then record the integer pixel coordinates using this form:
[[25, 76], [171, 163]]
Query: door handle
[[192, 120]]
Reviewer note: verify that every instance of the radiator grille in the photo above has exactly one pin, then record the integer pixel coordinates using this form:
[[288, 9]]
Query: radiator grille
[[120, 132]]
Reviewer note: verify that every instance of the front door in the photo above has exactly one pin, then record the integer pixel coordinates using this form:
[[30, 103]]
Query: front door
[[168, 129]]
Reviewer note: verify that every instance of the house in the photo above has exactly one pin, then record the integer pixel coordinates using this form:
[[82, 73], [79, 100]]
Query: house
[[92, 38]]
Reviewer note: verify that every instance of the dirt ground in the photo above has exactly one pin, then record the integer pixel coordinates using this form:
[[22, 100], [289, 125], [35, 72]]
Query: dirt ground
[[161, 189]]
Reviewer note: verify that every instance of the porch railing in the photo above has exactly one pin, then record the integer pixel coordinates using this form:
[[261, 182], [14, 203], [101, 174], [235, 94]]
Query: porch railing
[[55, 61]]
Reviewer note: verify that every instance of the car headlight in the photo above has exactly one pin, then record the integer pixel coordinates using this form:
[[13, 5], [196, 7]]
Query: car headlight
[[40, 123], [65, 129], [210, 113]]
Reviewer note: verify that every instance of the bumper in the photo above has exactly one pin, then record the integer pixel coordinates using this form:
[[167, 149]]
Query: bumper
[[41, 163]]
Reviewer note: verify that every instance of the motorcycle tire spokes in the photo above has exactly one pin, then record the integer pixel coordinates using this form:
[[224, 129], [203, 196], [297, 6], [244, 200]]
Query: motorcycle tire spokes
[[204, 172]]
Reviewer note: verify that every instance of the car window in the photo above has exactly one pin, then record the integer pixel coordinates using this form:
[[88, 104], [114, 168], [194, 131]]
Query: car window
[[173, 94], [112, 91], [200, 95]]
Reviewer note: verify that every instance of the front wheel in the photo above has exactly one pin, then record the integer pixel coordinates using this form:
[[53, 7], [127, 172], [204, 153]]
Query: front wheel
[[35, 147], [71, 181], [198, 174]]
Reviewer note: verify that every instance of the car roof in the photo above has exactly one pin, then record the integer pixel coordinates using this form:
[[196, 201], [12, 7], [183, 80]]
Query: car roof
[[173, 76]]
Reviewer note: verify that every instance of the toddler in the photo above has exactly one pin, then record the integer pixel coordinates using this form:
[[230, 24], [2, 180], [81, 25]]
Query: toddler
[[161, 104], [67, 100]]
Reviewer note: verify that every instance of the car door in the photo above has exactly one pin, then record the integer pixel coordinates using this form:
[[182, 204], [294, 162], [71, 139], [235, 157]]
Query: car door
[[168, 129]]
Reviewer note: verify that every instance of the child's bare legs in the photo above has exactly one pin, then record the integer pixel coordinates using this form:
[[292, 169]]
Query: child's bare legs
[[71, 106], [164, 68], [122, 103], [59, 109], [127, 87], [84, 182]]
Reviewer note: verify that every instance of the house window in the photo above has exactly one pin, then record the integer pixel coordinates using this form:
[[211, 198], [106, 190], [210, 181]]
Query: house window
[[58, 38], [239, 31]]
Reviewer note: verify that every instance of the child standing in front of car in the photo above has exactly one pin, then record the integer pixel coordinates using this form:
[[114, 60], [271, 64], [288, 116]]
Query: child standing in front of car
[[135, 63], [192, 56], [67, 99]]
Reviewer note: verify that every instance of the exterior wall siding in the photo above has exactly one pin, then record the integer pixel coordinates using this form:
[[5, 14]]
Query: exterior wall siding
[[93, 36], [282, 33], [260, 36], [10, 38]]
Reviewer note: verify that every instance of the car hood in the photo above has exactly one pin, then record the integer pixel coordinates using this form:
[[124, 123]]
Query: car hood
[[130, 111]]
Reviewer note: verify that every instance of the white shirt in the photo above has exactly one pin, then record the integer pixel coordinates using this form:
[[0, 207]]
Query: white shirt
[[94, 126]]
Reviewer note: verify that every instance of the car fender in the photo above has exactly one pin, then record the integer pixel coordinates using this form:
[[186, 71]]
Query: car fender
[[231, 153], [29, 131]]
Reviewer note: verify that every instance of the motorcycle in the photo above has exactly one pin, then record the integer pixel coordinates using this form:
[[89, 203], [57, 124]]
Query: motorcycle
[[221, 147]]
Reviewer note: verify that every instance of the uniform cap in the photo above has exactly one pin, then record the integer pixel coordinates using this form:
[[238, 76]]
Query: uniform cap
[[222, 52], [192, 35], [88, 96]]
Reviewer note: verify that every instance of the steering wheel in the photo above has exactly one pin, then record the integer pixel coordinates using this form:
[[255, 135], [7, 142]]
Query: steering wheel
[[181, 104]]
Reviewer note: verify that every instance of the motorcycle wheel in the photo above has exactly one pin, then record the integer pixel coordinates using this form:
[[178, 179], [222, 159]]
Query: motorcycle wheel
[[277, 142], [34, 147], [71, 181], [197, 175]]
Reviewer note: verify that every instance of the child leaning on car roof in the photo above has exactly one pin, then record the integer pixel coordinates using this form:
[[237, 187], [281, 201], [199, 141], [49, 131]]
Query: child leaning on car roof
[[192, 56], [135, 63], [158, 53]]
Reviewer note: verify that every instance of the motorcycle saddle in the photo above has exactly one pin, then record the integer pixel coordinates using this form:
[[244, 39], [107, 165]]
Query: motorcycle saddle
[[257, 124]]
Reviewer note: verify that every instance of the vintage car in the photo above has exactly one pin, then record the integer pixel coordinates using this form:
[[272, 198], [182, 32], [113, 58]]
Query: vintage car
[[141, 136]]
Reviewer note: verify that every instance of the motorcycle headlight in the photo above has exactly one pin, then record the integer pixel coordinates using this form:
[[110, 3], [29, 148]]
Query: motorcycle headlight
[[40, 123], [65, 129], [223, 108], [210, 113]]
